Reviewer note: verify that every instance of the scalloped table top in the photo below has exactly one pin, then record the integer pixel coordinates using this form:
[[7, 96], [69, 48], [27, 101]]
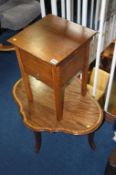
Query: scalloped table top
[[81, 114]]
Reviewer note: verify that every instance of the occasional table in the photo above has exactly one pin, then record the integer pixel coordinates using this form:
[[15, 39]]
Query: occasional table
[[53, 50], [82, 115]]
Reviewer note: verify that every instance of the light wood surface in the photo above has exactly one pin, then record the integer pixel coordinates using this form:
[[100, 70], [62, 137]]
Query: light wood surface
[[52, 38], [81, 114], [103, 78], [53, 50], [25, 78]]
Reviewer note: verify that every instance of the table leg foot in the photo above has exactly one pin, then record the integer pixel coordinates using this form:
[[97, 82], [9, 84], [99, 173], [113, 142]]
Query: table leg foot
[[91, 141], [37, 141]]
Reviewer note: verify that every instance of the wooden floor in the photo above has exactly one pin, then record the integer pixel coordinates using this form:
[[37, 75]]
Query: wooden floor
[[81, 115]]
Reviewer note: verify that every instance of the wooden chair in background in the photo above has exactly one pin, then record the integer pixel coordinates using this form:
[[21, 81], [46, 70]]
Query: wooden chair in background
[[106, 57], [103, 78]]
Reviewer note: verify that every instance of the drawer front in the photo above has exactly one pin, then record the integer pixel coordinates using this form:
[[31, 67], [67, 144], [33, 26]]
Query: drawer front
[[37, 68], [71, 66]]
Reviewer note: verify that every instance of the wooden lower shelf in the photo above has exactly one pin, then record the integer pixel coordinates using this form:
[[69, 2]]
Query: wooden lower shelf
[[81, 115]]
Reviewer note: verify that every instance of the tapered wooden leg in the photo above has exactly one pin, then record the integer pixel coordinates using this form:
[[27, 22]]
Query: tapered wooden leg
[[59, 93], [59, 100], [25, 78], [37, 141], [85, 70], [91, 141]]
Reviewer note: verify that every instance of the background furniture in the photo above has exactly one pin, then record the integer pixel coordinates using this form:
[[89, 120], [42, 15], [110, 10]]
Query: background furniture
[[103, 78], [110, 117], [82, 115], [55, 52], [111, 164], [106, 57], [16, 15]]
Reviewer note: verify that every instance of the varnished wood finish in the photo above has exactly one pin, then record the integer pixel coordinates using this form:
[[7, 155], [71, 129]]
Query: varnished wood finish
[[54, 50], [81, 114], [37, 141], [69, 67], [37, 68], [25, 78], [59, 92], [85, 70], [52, 37]]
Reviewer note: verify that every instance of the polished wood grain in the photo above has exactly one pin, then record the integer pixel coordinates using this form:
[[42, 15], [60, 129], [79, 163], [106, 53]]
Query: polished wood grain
[[85, 69], [53, 50], [52, 38], [37, 68], [81, 114], [59, 93], [25, 78]]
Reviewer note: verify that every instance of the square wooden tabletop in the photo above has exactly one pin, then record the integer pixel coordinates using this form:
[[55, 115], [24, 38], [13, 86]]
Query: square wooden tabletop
[[52, 38]]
